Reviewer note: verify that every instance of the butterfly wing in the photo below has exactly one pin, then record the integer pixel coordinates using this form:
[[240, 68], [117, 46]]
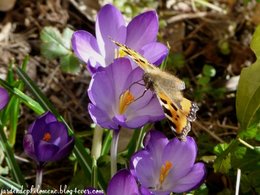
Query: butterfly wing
[[137, 58], [175, 112]]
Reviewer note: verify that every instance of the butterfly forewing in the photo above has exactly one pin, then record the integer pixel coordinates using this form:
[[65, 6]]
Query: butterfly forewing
[[140, 60]]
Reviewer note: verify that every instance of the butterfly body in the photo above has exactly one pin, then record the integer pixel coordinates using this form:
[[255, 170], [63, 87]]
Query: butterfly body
[[178, 110]]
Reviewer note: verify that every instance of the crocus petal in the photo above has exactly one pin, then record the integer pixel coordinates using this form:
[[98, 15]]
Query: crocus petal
[[38, 128], [28, 146], [191, 180], [110, 23], [46, 152], [4, 98], [65, 150], [154, 52], [101, 117], [85, 47], [136, 122], [122, 183], [142, 30], [150, 112], [60, 137], [182, 155], [100, 91], [119, 119], [142, 167], [144, 191], [155, 142]]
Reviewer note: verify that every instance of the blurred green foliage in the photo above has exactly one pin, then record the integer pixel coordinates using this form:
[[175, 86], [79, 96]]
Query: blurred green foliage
[[57, 46]]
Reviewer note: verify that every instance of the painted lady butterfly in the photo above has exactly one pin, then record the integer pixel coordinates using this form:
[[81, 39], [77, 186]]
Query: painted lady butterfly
[[168, 88]]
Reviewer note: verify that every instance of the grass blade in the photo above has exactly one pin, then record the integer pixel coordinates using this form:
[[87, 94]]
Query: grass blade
[[12, 185], [28, 101], [9, 155]]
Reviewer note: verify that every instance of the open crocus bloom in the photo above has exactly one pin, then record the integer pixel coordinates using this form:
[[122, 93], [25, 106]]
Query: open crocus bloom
[[4, 98], [123, 183], [117, 98], [47, 140], [140, 34], [165, 166]]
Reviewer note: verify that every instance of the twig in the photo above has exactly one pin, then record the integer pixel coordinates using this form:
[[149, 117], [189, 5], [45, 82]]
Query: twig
[[226, 126], [246, 144], [210, 5], [209, 132], [186, 16]]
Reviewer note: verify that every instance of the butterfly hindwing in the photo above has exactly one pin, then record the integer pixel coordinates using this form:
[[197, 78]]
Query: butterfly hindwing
[[174, 113]]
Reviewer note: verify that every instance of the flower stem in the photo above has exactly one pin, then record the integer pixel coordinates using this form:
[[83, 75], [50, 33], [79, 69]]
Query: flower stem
[[97, 142], [113, 152], [238, 181], [38, 181], [246, 144]]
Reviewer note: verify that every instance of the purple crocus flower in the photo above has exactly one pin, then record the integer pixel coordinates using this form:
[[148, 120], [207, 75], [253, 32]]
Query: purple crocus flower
[[140, 35], [125, 183], [47, 140], [4, 98], [117, 99], [165, 166]]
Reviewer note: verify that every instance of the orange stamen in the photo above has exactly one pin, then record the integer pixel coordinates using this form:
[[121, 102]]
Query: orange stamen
[[165, 169], [46, 137], [126, 99]]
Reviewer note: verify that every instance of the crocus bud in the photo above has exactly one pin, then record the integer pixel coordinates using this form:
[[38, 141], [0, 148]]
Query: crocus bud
[[47, 140]]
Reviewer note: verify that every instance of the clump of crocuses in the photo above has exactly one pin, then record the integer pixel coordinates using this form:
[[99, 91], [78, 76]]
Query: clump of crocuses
[[162, 167], [47, 140], [4, 98]]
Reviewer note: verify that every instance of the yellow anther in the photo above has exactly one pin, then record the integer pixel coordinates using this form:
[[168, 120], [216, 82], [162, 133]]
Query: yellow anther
[[165, 169], [126, 99]]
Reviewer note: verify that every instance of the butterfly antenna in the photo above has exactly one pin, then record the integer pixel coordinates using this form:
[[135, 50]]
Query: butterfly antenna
[[137, 82]]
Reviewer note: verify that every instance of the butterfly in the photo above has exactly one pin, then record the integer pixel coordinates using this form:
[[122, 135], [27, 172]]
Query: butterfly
[[178, 110]]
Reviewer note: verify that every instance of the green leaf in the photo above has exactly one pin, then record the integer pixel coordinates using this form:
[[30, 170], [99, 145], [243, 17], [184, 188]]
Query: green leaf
[[204, 80], [246, 159], [202, 190], [223, 162], [70, 63], [28, 101], [14, 186], [54, 44], [9, 155], [250, 182], [209, 70], [248, 92], [66, 37], [57, 45], [252, 132]]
